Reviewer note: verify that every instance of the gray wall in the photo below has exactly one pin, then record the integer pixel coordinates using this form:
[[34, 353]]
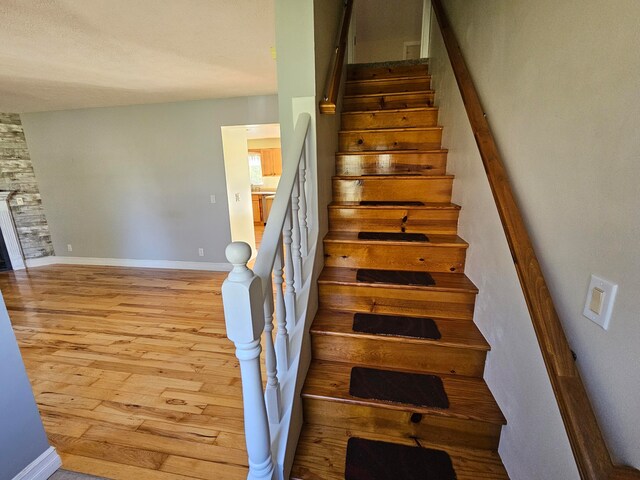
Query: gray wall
[[135, 182], [16, 173], [563, 104], [22, 437]]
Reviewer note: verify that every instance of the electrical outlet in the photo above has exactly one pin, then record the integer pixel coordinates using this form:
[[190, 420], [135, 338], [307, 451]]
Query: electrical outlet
[[69, 247], [201, 252], [213, 198], [19, 201], [237, 197]]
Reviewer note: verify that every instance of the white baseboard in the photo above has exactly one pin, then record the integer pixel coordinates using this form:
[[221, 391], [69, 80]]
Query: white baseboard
[[42, 467], [40, 262], [129, 262]]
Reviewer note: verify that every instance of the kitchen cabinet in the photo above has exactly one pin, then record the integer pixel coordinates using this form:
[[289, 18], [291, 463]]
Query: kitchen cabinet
[[256, 204], [261, 205], [271, 161]]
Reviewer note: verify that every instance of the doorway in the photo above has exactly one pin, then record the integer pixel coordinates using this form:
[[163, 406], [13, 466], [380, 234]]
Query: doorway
[[253, 166]]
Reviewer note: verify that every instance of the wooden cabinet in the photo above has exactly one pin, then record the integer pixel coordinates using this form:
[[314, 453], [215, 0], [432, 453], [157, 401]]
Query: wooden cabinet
[[271, 161], [261, 205], [256, 204]]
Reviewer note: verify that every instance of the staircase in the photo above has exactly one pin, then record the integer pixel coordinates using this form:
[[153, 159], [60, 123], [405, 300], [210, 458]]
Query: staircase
[[395, 387]]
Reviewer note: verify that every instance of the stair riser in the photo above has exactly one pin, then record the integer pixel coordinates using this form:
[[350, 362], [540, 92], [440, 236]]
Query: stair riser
[[346, 219], [399, 85], [387, 102], [390, 163], [394, 257], [400, 301], [423, 189], [432, 428], [362, 141], [363, 121], [385, 353], [368, 73]]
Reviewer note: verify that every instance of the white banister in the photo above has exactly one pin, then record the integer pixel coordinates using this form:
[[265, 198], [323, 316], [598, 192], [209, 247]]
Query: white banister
[[304, 229], [244, 319], [272, 391], [282, 335], [295, 235], [248, 300], [290, 290]]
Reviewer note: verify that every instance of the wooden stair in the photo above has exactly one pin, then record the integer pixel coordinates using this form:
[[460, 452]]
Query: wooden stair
[[392, 213]]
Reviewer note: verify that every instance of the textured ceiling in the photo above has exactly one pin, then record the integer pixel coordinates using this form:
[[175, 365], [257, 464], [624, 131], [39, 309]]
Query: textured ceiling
[[64, 54]]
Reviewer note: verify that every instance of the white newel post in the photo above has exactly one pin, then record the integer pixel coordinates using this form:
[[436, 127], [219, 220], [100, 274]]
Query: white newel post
[[244, 318], [9, 233]]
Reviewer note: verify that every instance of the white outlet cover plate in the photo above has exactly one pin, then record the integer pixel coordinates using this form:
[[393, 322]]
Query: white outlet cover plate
[[610, 289]]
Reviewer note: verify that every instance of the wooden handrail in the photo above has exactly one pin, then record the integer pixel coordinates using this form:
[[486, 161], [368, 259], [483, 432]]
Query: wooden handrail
[[588, 445], [332, 87]]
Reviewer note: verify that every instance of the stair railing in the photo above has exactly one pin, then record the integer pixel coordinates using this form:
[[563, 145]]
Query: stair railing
[[249, 308], [334, 76], [587, 443]]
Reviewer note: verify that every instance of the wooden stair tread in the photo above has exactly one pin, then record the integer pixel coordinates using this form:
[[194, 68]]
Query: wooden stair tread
[[391, 94], [391, 130], [455, 333], [425, 206], [391, 152], [393, 177], [469, 398], [391, 110], [321, 455], [388, 79], [444, 281], [434, 240]]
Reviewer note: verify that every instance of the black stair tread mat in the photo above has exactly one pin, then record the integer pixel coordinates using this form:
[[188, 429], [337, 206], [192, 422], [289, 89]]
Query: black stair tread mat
[[396, 325], [376, 460], [393, 236], [374, 203], [417, 389], [398, 277]]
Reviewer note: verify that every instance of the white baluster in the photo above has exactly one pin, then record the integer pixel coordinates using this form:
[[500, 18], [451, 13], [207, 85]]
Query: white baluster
[[304, 229], [272, 393], [282, 335], [244, 318], [290, 290], [295, 246]]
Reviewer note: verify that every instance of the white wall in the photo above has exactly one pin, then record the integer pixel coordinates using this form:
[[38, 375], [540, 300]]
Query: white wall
[[135, 182], [383, 26], [559, 83], [22, 437], [305, 36], [236, 167]]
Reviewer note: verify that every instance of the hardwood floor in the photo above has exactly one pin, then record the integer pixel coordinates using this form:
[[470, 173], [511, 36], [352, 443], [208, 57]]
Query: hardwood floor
[[131, 370]]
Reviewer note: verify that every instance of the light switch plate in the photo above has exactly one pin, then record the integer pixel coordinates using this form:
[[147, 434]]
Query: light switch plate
[[607, 290]]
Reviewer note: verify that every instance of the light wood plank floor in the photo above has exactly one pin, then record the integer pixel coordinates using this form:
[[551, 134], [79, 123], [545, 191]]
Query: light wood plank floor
[[131, 370]]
